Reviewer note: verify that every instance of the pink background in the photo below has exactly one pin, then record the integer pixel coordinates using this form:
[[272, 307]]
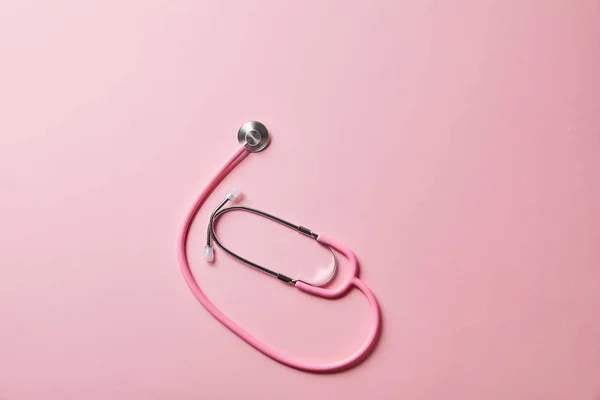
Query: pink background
[[454, 145]]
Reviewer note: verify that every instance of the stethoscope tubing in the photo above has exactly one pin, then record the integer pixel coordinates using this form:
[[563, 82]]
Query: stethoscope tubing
[[186, 271]]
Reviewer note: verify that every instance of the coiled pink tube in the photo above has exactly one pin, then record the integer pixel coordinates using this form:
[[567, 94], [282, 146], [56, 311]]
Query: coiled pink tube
[[237, 157]]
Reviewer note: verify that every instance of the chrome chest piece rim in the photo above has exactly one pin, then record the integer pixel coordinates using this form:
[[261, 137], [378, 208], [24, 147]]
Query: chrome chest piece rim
[[254, 136]]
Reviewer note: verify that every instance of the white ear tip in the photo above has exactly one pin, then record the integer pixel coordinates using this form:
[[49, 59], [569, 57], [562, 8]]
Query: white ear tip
[[209, 253], [233, 193]]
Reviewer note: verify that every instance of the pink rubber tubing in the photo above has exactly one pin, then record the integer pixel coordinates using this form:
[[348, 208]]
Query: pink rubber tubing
[[317, 291]]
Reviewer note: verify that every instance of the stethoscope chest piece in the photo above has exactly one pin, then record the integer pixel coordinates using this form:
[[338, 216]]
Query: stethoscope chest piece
[[254, 136]]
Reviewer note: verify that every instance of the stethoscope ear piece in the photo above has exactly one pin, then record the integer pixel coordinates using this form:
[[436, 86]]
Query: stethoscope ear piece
[[254, 136]]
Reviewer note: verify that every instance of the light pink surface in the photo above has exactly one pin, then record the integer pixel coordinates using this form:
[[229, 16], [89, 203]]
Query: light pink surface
[[452, 145]]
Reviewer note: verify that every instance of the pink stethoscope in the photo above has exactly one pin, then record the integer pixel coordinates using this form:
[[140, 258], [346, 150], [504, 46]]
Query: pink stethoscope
[[254, 137]]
